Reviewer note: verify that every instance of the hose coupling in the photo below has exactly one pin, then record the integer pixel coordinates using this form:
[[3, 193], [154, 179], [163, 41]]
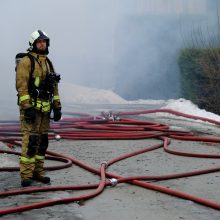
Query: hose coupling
[[113, 181], [57, 137], [107, 115], [117, 118], [105, 163]]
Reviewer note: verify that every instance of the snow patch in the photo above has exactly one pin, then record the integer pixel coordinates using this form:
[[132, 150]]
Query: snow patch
[[187, 107], [75, 94]]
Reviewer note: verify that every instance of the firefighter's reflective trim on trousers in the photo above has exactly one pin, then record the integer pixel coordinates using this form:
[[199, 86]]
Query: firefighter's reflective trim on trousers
[[37, 81], [56, 97], [27, 160], [39, 157], [43, 106], [23, 98]]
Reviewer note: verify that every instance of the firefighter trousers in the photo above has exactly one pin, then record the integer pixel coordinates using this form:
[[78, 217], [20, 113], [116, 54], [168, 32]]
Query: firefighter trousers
[[34, 145]]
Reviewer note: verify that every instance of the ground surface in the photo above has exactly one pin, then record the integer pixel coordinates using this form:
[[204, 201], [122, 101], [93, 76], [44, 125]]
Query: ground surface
[[124, 201]]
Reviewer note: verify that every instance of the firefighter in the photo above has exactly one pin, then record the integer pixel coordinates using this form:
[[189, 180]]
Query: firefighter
[[37, 87]]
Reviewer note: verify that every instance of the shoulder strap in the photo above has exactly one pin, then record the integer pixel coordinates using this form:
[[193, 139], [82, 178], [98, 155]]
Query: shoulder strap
[[50, 64], [32, 63], [32, 59]]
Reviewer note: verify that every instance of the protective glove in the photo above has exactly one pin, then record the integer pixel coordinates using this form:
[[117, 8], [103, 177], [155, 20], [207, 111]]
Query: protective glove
[[57, 114], [30, 115]]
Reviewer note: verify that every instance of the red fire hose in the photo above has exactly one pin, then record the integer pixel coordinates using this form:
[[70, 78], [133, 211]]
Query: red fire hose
[[98, 128]]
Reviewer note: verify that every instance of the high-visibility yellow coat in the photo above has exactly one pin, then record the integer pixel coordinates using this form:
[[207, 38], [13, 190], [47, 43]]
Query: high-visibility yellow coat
[[41, 68]]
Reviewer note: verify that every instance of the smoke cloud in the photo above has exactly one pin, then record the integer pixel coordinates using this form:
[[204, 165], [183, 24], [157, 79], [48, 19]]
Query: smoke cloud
[[128, 46]]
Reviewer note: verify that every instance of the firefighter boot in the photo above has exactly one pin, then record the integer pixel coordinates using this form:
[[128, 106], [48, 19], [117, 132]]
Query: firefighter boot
[[40, 178], [25, 182]]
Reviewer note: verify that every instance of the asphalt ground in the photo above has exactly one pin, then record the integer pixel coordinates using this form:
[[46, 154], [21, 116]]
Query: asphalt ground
[[126, 201]]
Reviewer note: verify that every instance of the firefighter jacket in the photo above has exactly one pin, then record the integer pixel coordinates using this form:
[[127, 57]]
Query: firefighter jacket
[[23, 79]]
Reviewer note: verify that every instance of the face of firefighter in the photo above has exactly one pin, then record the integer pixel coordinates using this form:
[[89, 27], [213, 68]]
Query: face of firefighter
[[41, 45]]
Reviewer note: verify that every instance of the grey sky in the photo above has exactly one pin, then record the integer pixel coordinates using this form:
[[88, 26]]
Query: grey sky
[[98, 43]]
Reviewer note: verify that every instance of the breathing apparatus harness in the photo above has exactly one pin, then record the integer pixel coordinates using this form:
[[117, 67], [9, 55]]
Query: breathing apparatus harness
[[45, 90]]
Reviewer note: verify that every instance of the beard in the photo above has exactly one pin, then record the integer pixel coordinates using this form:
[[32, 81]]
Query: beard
[[39, 51]]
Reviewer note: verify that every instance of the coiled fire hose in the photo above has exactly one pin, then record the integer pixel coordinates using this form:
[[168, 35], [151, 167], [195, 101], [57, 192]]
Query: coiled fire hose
[[109, 127]]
